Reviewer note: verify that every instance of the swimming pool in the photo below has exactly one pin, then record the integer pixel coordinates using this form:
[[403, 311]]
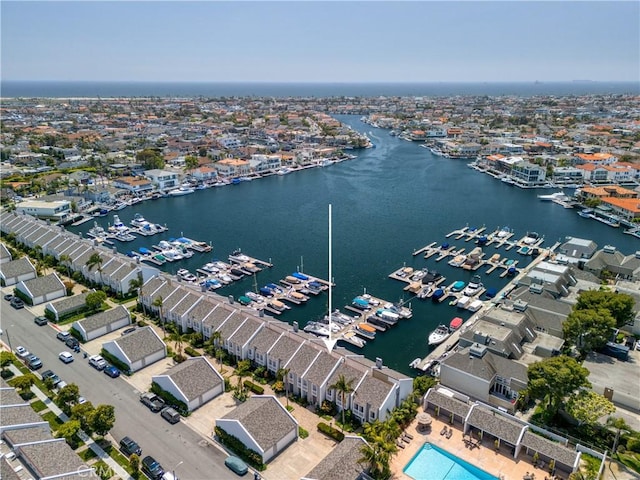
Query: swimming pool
[[433, 463]]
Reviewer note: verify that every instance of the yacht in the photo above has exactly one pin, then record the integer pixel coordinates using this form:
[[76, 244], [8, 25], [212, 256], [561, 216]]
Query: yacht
[[284, 171], [317, 329], [97, 232], [458, 260], [181, 190], [138, 220], [211, 268], [439, 335], [554, 196], [474, 286]]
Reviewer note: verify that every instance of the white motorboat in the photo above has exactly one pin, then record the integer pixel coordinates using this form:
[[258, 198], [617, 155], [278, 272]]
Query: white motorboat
[[474, 286], [439, 335], [317, 329], [554, 196], [181, 190], [415, 362]]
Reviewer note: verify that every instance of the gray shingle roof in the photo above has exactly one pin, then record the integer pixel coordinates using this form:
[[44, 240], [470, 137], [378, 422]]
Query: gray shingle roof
[[185, 304], [549, 448], [194, 377], [342, 463], [450, 404], [153, 284], [496, 424], [27, 435], [265, 419], [246, 331], [349, 373], [9, 396], [6, 470], [175, 295], [15, 268], [20, 415], [47, 237], [321, 368], [201, 310], [302, 359], [284, 348], [102, 319], [35, 234], [218, 317], [140, 344], [69, 304], [372, 391], [44, 285], [229, 327], [264, 340], [53, 458], [4, 253]]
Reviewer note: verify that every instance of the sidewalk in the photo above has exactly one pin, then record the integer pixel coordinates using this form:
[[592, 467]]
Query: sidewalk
[[102, 455]]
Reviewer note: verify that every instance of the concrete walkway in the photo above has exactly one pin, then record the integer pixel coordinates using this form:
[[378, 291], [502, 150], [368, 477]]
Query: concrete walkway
[[102, 455]]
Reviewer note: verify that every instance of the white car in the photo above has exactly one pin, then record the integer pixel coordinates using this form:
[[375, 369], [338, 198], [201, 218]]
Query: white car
[[66, 357], [81, 400], [22, 352]]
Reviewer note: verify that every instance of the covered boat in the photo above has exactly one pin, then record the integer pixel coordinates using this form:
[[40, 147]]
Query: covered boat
[[491, 292], [437, 294], [291, 279], [244, 300], [300, 276], [458, 286], [361, 303], [455, 323]]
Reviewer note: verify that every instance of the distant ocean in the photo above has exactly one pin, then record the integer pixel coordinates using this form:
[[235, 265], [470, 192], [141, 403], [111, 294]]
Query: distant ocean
[[12, 89]]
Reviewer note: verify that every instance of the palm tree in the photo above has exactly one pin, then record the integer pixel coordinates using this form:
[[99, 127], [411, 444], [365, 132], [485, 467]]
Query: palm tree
[[66, 261], [216, 338], [282, 375], [344, 387], [158, 304], [620, 425], [178, 339], [135, 284], [377, 454], [95, 260]]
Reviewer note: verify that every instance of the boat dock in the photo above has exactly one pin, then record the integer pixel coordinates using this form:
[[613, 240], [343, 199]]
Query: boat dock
[[423, 249], [240, 258]]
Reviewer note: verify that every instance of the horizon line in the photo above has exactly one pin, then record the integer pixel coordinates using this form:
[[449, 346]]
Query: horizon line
[[339, 82]]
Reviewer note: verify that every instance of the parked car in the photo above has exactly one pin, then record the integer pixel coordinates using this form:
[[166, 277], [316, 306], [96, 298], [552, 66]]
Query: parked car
[[152, 468], [128, 331], [129, 447], [22, 352], [153, 401], [65, 357], [111, 371], [81, 400], [170, 415], [236, 465], [72, 343], [63, 336], [17, 303], [33, 362], [8, 297], [40, 321], [97, 362], [49, 375]]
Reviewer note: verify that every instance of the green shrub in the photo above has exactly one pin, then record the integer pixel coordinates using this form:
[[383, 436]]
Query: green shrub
[[142, 323], [252, 457], [123, 367], [257, 389], [76, 334], [330, 431], [192, 352], [633, 444], [170, 400], [302, 432]]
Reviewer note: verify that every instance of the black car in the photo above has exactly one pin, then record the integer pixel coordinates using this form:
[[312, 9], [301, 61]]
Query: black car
[[49, 375], [72, 343], [40, 321], [152, 468], [8, 297], [129, 447]]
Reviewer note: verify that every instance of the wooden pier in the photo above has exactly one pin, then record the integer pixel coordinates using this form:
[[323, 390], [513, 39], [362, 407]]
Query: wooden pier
[[423, 249], [240, 258]]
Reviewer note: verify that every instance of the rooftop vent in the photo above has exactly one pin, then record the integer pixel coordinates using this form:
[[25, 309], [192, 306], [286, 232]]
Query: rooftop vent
[[378, 362], [295, 325], [535, 288], [477, 350], [520, 306], [609, 249]]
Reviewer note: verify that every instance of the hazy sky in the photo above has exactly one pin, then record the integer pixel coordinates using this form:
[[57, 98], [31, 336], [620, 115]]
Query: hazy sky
[[331, 41]]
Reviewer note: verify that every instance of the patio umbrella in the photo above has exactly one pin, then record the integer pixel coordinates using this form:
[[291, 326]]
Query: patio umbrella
[[424, 418]]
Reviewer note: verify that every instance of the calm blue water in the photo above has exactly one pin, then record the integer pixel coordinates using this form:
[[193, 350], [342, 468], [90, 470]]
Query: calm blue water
[[165, 89], [387, 203], [433, 463]]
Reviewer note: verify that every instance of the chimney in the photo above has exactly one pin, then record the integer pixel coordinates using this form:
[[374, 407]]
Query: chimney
[[378, 363]]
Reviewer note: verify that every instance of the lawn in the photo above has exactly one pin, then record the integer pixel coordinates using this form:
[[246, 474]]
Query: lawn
[[53, 420], [87, 454], [38, 405]]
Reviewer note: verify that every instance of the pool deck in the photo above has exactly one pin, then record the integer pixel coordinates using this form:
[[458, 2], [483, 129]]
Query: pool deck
[[501, 464]]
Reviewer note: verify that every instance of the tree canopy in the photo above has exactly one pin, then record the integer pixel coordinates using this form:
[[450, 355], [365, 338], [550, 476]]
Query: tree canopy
[[150, 158], [620, 305], [95, 299], [588, 329], [588, 406], [555, 379], [102, 419]]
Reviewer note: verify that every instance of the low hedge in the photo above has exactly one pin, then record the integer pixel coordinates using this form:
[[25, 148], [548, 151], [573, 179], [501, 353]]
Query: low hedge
[[330, 431], [170, 400], [257, 389], [123, 367], [192, 352], [252, 457]]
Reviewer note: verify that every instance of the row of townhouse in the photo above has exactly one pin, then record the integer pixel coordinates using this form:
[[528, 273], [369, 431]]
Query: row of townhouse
[[311, 369], [115, 271]]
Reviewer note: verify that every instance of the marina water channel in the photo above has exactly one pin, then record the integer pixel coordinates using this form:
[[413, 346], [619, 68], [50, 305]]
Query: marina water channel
[[387, 203]]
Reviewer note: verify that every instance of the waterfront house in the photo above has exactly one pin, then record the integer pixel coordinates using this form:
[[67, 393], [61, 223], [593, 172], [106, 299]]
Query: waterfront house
[[617, 264], [261, 163], [178, 313], [193, 382], [351, 375], [314, 380], [137, 349], [549, 277], [102, 323], [595, 158], [133, 184], [41, 289], [576, 250], [282, 351], [204, 173], [162, 179], [261, 343], [299, 363], [262, 424], [238, 342], [232, 167], [41, 209], [16, 271], [528, 174]]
